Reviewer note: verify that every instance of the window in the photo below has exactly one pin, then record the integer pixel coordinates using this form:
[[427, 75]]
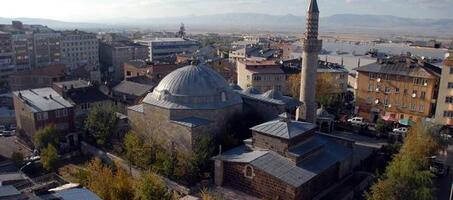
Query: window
[[42, 116], [248, 77], [388, 90], [451, 70], [405, 91], [421, 108], [397, 90], [248, 172], [369, 100], [449, 100], [422, 95], [450, 85], [448, 114], [416, 81], [370, 87], [424, 82], [128, 73], [413, 107], [386, 102]]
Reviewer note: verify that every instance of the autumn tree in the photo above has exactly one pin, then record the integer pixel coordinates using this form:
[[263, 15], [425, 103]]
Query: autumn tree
[[325, 88], [151, 187], [101, 123], [122, 185], [49, 157], [137, 151], [408, 175], [47, 135]]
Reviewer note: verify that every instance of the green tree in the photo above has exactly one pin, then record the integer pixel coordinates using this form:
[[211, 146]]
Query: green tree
[[137, 151], [47, 135], [18, 158], [101, 124], [151, 187], [49, 157]]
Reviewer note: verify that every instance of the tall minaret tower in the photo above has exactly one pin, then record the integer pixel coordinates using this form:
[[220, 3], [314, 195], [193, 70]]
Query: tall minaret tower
[[312, 47]]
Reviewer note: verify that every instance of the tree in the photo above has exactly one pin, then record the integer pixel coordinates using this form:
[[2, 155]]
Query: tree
[[325, 88], [151, 187], [408, 176], [49, 157], [99, 179], [101, 124], [47, 135], [18, 158], [137, 151], [122, 185]]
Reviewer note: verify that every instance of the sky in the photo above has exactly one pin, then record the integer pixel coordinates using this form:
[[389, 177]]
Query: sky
[[104, 10]]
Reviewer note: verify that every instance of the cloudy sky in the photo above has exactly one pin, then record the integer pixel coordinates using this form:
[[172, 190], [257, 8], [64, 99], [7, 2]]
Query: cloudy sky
[[98, 10]]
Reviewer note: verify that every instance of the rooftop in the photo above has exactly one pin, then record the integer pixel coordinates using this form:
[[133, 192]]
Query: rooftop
[[42, 99], [284, 127], [133, 88], [73, 84]]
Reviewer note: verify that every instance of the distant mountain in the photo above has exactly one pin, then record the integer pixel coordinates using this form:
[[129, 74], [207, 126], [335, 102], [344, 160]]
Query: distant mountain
[[55, 24], [265, 22]]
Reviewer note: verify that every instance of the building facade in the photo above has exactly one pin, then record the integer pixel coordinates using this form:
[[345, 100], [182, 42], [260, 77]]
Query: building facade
[[262, 75], [401, 87], [38, 108], [113, 56], [79, 48], [444, 110], [7, 65], [37, 78], [164, 50]]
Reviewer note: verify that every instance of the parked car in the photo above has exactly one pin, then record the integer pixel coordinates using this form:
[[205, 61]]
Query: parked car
[[357, 121], [7, 133], [12, 127], [401, 130]]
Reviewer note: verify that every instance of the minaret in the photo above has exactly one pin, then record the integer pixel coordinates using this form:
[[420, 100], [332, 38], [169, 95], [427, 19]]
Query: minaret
[[311, 48]]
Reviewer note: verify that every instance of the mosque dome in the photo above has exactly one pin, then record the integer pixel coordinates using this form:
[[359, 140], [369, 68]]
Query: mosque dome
[[193, 86]]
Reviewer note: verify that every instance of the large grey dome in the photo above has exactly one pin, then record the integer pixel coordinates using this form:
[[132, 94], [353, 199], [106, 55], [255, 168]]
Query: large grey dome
[[193, 87]]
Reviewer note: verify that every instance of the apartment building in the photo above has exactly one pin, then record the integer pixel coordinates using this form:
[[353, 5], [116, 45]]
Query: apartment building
[[6, 55], [79, 49], [164, 50], [262, 75], [38, 108], [113, 55], [46, 49], [401, 87], [444, 110]]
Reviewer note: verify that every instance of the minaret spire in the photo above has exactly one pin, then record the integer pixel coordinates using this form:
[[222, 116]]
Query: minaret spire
[[311, 48]]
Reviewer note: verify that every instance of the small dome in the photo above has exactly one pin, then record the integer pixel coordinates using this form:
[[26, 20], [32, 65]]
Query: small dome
[[273, 94], [251, 90], [193, 86]]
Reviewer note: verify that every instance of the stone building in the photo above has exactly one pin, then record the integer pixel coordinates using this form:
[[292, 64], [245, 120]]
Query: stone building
[[285, 159], [190, 102]]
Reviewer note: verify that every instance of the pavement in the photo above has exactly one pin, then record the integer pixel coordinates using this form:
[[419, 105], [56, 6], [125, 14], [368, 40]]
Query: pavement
[[11, 144]]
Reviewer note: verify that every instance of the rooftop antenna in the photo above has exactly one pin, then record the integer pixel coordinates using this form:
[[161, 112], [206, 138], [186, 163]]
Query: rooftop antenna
[[182, 31]]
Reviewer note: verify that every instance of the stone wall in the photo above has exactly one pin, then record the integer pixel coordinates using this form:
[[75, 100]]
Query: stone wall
[[261, 184], [272, 143]]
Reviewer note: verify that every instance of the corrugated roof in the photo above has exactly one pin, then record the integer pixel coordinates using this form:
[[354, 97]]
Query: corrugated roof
[[284, 128], [137, 108], [42, 99], [401, 69]]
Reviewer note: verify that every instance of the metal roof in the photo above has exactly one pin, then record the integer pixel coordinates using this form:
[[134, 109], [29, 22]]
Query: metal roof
[[193, 87], [77, 194], [42, 99], [284, 128], [294, 174], [8, 190], [271, 96], [132, 88], [137, 108], [402, 69], [192, 122]]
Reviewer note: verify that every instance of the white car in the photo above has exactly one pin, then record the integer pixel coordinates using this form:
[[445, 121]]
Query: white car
[[401, 130], [357, 121]]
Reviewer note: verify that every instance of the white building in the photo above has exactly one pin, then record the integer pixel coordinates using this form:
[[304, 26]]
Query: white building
[[166, 49], [444, 112], [79, 49]]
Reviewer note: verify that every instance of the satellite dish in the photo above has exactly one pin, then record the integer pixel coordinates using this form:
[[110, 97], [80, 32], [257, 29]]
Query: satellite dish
[[414, 95], [377, 101]]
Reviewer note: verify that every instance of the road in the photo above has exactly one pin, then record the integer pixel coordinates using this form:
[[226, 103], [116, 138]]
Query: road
[[444, 184]]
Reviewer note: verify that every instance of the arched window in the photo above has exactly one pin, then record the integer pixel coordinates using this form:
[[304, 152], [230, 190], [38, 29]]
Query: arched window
[[248, 172]]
